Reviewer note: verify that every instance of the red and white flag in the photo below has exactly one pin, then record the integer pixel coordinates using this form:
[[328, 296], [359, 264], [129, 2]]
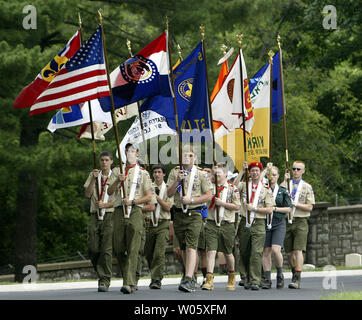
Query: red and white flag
[[82, 78], [31, 92], [229, 105]]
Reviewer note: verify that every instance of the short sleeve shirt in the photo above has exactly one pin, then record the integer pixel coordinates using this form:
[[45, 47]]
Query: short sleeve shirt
[[105, 181], [166, 215], [265, 200], [306, 196], [201, 185], [143, 184], [233, 196]]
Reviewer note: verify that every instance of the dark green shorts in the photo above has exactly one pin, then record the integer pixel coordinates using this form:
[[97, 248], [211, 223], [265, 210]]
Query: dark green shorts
[[297, 235], [187, 229], [202, 239], [221, 238]]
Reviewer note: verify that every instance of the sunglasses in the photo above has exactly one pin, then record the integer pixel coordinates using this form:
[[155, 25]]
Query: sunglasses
[[298, 169]]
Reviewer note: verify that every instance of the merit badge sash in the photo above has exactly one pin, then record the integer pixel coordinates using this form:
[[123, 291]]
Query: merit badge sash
[[296, 198], [221, 208], [189, 188], [275, 192], [156, 217], [133, 190], [102, 188], [255, 202]]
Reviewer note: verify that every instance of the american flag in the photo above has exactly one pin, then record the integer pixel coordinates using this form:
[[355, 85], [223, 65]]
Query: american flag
[[81, 79]]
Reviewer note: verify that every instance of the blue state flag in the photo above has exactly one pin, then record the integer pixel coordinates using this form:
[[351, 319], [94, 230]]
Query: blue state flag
[[191, 97], [277, 107]]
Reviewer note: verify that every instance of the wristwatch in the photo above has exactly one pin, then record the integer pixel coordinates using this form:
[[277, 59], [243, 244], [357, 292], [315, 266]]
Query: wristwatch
[[133, 203], [192, 201]]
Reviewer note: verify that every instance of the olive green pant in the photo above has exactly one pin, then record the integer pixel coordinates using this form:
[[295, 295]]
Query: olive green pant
[[100, 246], [141, 253], [127, 234], [155, 247], [251, 246]]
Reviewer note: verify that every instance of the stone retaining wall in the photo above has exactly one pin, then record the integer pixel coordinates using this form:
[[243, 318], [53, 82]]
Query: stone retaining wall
[[333, 233]]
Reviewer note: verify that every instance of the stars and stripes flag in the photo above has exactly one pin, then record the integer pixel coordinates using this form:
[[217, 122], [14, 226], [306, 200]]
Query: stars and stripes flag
[[82, 78]]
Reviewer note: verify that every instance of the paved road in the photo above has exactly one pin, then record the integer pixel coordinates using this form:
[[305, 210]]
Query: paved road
[[314, 285]]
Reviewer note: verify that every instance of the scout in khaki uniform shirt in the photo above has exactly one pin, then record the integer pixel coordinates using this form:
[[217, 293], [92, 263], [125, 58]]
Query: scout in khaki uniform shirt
[[157, 229], [100, 226], [128, 217], [251, 234], [220, 231], [188, 217], [295, 242]]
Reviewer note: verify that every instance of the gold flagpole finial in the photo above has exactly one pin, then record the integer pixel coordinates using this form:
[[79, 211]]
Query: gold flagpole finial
[[79, 19], [223, 48], [129, 47], [100, 17], [166, 22], [271, 54], [240, 38], [202, 30], [179, 51], [278, 40]]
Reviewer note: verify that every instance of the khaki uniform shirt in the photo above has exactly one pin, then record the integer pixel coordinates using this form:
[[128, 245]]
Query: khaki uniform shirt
[[306, 196], [201, 185], [94, 198], [265, 200], [164, 215], [147, 214], [144, 184], [233, 196]]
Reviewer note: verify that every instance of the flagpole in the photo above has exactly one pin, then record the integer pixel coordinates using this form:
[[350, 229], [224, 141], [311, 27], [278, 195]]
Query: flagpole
[[284, 118], [175, 108], [114, 122], [140, 117], [240, 37], [202, 30], [271, 54], [91, 121], [284, 110], [89, 104]]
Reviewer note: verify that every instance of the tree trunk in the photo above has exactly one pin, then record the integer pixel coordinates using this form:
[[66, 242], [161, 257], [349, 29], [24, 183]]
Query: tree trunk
[[26, 207]]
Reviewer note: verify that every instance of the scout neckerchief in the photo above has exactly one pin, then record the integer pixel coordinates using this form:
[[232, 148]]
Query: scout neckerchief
[[189, 187], [158, 206], [133, 188], [295, 195], [103, 187], [222, 208], [254, 199], [275, 192]]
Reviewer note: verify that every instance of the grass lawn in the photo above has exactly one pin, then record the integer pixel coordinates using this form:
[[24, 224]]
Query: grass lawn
[[351, 295]]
